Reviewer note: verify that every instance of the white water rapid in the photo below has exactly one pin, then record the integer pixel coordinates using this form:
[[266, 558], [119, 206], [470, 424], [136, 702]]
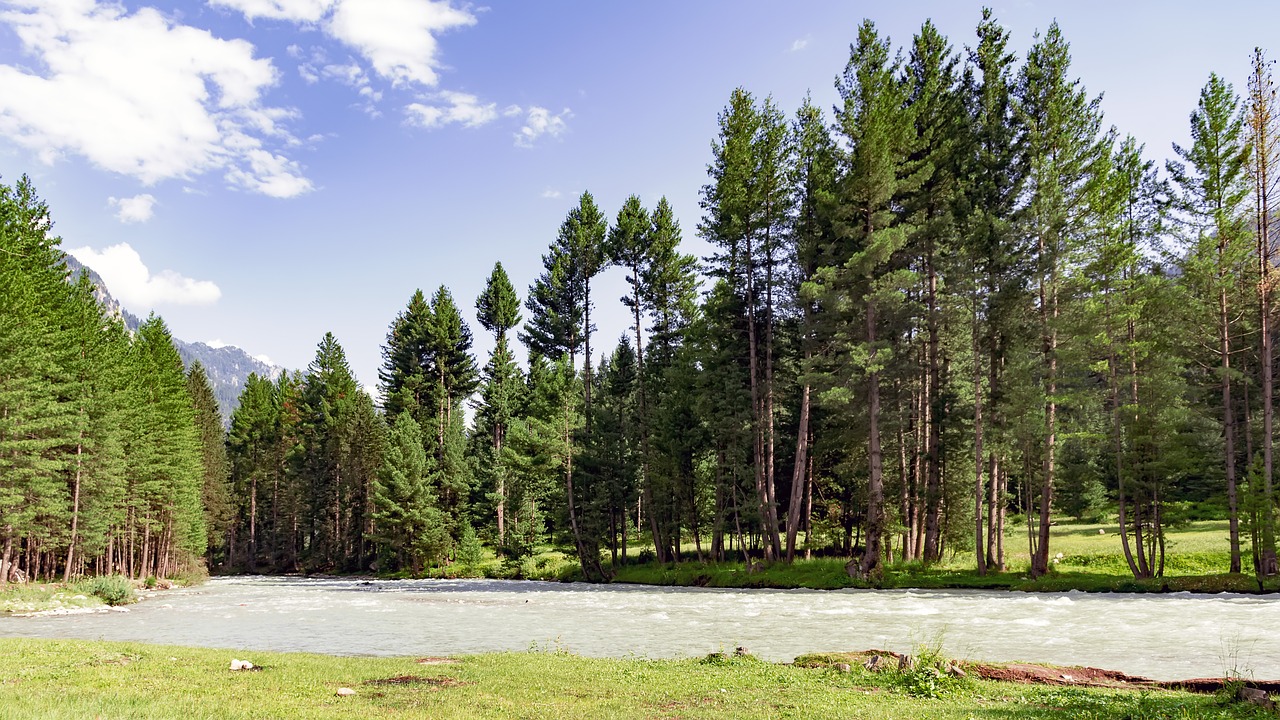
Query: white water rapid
[[1167, 637]]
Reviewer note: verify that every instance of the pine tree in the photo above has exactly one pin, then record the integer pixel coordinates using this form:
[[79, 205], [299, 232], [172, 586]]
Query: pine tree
[[498, 310], [410, 526], [326, 409], [863, 284], [213, 453], [1062, 125], [1263, 122], [1211, 189]]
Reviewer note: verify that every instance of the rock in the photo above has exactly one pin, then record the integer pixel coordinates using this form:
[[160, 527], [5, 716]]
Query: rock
[[1102, 531], [873, 663], [741, 651], [1256, 697], [956, 671], [119, 609], [345, 692], [1068, 678], [843, 667], [241, 665], [905, 663]]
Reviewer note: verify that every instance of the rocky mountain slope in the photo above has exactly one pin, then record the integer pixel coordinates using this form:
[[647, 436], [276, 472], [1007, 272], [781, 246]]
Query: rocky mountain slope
[[227, 366]]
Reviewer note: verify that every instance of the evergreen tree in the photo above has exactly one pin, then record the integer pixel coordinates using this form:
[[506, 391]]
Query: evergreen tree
[[410, 526], [1062, 125], [213, 455], [1210, 191], [498, 310]]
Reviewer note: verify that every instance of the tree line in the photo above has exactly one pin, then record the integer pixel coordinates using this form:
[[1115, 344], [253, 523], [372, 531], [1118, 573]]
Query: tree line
[[956, 303]]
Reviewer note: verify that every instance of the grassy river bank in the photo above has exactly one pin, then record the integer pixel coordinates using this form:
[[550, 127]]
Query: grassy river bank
[[77, 679]]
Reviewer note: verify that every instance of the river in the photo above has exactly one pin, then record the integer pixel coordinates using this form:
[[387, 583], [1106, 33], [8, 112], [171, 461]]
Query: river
[[1166, 637]]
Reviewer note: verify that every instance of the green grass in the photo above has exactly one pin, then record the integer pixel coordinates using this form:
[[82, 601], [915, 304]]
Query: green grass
[[77, 679], [1196, 557], [1197, 554], [28, 598]]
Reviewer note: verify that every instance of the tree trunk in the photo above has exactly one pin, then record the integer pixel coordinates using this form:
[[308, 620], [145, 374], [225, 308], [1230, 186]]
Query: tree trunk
[[798, 479], [933, 438], [871, 568], [978, 489], [75, 512]]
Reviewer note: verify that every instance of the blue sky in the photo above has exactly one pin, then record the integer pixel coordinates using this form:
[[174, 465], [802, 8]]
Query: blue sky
[[262, 171]]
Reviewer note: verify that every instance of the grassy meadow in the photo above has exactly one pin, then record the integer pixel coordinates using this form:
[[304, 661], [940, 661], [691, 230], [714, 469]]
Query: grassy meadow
[[58, 679], [1085, 559]]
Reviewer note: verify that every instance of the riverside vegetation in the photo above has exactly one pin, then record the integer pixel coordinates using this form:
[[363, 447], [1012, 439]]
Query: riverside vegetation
[[75, 679], [941, 319]]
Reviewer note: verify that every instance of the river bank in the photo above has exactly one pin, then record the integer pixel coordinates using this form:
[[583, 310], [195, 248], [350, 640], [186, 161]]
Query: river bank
[[73, 679]]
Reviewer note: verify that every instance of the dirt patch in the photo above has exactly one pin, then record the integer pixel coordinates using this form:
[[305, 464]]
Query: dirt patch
[[441, 682], [436, 661], [1031, 673], [1050, 675]]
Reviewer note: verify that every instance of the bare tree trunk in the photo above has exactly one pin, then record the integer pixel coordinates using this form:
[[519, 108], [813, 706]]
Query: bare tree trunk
[[75, 512], [798, 479], [1049, 317], [933, 472], [978, 489], [871, 567]]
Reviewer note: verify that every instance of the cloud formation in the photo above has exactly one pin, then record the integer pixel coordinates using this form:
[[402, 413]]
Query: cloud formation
[[398, 37], [300, 11], [539, 122], [461, 108], [133, 284], [800, 44], [136, 209], [137, 94]]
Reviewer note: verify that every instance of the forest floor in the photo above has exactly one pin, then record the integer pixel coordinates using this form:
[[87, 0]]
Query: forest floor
[[1085, 556], [77, 679]]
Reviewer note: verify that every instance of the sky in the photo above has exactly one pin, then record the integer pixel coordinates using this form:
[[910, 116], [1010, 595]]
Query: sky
[[259, 172]]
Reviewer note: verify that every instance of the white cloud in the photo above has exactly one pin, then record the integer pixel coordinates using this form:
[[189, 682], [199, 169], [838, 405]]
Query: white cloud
[[551, 194], [136, 209], [398, 37], [136, 94], [136, 287], [264, 359], [461, 108], [538, 122], [800, 44], [305, 11], [272, 175]]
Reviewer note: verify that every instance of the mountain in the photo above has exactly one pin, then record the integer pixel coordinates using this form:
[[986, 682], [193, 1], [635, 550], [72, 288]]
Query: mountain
[[227, 366]]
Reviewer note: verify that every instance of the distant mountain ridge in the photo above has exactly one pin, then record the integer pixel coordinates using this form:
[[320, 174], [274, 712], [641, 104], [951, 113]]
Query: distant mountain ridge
[[228, 366]]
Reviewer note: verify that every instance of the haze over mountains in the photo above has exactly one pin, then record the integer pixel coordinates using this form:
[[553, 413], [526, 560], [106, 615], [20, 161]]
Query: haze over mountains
[[227, 366]]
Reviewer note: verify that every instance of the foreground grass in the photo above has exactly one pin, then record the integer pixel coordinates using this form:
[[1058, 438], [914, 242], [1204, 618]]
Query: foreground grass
[[77, 679]]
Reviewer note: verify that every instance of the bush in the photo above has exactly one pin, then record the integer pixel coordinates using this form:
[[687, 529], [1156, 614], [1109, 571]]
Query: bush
[[112, 589]]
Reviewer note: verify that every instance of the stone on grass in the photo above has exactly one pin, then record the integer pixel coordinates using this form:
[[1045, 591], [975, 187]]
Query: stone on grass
[[873, 663], [1256, 697], [241, 665], [955, 670], [905, 663], [843, 667], [344, 692]]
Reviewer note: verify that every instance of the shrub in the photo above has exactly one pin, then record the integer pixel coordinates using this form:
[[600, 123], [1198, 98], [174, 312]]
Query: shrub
[[112, 589]]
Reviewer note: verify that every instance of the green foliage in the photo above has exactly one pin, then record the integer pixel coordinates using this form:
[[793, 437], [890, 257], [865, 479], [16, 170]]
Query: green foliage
[[113, 589]]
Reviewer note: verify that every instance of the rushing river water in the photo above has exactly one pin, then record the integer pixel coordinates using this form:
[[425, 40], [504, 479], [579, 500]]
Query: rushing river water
[[1162, 636]]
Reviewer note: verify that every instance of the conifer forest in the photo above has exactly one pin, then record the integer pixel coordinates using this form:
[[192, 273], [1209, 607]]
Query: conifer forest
[[956, 303]]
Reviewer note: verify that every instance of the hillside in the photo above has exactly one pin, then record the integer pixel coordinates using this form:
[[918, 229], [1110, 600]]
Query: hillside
[[227, 366]]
